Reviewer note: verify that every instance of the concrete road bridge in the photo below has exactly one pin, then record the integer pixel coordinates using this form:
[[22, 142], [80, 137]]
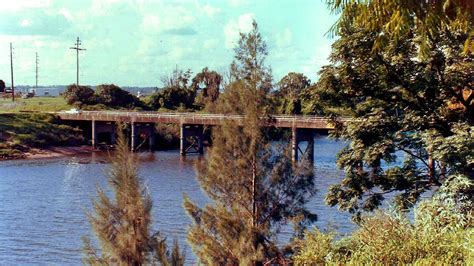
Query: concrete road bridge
[[142, 125]]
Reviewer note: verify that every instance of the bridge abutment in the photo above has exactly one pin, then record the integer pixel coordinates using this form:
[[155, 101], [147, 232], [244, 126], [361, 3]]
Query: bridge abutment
[[191, 139], [299, 135]]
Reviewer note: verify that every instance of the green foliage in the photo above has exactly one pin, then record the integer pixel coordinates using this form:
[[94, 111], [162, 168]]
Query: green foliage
[[289, 93], [206, 85], [79, 95], [392, 21], [20, 132], [253, 186], [2, 86], [113, 96], [173, 98], [176, 95], [106, 96], [123, 225], [439, 235], [250, 55], [402, 105]]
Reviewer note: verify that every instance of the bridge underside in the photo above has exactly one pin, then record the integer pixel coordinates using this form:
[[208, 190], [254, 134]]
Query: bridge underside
[[142, 135]]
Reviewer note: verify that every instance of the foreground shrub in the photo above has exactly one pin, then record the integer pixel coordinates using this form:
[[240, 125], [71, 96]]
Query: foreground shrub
[[122, 223], [441, 233]]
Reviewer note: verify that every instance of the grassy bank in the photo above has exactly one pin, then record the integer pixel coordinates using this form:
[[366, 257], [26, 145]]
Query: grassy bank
[[35, 104], [21, 132]]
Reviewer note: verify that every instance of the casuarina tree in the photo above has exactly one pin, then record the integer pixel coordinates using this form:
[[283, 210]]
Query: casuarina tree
[[253, 185], [123, 224]]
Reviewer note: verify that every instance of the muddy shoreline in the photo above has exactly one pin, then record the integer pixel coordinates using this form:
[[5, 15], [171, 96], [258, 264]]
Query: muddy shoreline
[[52, 152]]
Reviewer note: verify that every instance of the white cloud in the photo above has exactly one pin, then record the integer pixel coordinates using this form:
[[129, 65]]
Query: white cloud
[[233, 28], [66, 13], [170, 18], [25, 23], [210, 11], [151, 23], [283, 38]]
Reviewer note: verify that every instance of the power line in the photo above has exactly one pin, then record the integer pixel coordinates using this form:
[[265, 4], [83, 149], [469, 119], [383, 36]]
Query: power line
[[77, 44]]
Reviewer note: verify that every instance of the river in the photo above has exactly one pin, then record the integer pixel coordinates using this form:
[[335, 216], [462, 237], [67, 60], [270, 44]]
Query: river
[[43, 202]]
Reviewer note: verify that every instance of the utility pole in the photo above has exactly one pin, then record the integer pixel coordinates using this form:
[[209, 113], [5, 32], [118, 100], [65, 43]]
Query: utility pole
[[78, 42], [37, 61], [11, 70]]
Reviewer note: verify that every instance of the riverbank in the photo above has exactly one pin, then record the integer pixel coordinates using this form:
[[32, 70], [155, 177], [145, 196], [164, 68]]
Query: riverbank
[[49, 152], [56, 152], [23, 134]]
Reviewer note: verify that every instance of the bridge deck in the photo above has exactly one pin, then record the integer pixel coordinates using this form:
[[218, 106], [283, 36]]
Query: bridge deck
[[282, 121]]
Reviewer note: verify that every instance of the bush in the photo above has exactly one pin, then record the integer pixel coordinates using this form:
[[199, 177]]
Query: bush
[[442, 233], [79, 95], [173, 98], [113, 96]]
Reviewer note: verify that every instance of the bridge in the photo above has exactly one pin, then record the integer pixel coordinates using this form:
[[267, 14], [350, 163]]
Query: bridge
[[142, 125]]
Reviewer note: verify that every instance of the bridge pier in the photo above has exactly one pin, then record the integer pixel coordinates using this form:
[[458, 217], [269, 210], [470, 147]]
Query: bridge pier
[[103, 132], [191, 139], [299, 135], [94, 134], [133, 136], [142, 133]]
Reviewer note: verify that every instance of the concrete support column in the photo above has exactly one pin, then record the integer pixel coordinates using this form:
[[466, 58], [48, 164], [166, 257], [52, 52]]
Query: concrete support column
[[298, 136], [294, 145], [133, 136], [151, 138], [195, 135], [94, 134], [182, 140]]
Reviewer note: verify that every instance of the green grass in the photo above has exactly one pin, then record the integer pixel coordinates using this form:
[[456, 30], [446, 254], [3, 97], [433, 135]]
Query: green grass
[[35, 104], [21, 131]]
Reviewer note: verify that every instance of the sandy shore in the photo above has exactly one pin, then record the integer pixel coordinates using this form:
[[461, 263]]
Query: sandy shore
[[53, 152]]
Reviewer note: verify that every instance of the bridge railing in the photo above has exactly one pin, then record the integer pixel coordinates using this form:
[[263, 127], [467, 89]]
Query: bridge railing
[[303, 121], [187, 114]]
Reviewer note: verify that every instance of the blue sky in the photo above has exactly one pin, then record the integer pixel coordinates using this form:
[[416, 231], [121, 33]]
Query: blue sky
[[135, 43]]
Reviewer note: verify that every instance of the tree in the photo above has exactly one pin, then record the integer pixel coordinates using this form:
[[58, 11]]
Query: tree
[[289, 93], [250, 55], [113, 96], [253, 186], [2, 86], [178, 78], [206, 85], [176, 94], [123, 225], [79, 95], [173, 98], [395, 20], [404, 106]]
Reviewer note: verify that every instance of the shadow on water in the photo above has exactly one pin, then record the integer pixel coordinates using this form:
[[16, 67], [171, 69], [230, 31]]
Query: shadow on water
[[42, 215]]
